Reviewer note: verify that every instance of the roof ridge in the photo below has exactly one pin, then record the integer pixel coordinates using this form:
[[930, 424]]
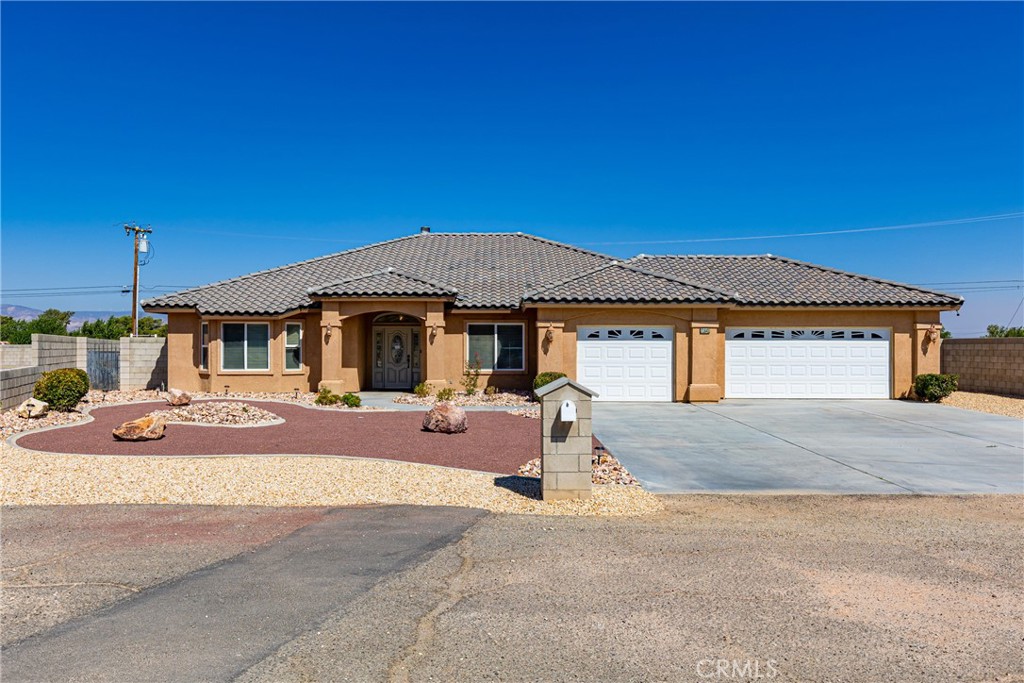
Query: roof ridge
[[389, 270], [633, 268], [283, 267], [867, 278], [736, 296]]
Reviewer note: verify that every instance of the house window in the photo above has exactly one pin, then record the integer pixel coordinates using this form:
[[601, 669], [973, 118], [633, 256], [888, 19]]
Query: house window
[[204, 346], [496, 347], [293, 346], [246, 346]]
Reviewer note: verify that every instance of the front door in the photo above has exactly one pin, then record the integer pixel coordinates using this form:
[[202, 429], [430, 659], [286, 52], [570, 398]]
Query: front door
[[397, 358]]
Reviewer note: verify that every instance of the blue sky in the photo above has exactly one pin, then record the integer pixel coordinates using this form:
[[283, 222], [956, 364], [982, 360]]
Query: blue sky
[[252, 135]]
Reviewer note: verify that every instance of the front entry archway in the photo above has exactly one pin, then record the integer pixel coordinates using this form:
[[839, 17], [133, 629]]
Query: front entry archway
[[396, 350]]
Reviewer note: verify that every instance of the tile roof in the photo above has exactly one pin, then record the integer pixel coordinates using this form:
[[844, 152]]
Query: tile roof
[[504, 270], [488, 270], [624, 283], [384, 283], [777, 281]]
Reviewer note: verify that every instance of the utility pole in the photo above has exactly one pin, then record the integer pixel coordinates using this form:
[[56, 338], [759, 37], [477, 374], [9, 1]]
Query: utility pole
[[136, 230]]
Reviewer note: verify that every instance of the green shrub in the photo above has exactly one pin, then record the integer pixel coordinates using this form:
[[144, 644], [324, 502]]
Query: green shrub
[[422, 390], [933, 387], [491, 390], [471, 377], [445, 394], [326, 397], [351, 400], [546, 378], [63, 388]]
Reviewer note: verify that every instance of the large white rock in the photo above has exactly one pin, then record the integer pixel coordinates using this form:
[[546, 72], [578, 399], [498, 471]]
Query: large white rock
[[33, 407]]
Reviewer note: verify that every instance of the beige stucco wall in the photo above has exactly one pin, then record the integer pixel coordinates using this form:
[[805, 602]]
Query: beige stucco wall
[[183, 331], [342, 360]]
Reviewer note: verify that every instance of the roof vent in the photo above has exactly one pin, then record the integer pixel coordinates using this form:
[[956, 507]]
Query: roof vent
[[424, 229]]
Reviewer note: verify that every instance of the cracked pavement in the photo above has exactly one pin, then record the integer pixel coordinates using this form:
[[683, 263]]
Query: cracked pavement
[[837, 588]]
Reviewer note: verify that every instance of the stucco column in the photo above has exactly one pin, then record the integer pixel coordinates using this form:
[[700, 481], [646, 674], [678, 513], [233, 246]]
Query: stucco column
[[926, 353], [550, 336], [434, 372], [330, 355], [704, 359]]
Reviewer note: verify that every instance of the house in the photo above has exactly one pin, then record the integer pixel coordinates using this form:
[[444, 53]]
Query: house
[[651, 328]]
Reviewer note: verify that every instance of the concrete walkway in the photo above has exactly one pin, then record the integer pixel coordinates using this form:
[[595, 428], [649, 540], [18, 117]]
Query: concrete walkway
[[386, 399], [819, 446]]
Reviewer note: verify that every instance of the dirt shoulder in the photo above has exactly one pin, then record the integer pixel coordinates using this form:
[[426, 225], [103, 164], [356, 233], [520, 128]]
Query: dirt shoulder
[[812, 588]]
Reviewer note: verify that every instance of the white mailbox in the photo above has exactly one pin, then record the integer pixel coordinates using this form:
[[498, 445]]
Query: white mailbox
[[567, 413]]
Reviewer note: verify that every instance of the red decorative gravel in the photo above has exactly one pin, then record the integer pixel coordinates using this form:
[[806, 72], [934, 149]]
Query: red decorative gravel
[[496, 441]]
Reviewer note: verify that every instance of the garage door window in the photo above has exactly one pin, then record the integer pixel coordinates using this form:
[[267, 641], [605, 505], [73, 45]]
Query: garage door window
[[809, 334], [496, 347]]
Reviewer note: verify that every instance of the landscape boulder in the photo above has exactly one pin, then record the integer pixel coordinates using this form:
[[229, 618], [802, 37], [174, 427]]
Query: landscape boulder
[[177, 397], [144, 429], [33, 407], [445, 418]]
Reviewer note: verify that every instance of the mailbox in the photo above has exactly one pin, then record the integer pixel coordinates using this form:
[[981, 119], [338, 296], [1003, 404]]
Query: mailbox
[[567, 413]]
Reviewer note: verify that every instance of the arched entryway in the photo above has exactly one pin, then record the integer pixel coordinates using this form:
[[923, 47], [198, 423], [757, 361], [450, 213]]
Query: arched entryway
[[396, 351]]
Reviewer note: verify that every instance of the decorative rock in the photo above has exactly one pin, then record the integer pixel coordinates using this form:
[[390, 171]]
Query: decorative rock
[[33, 407], [446, 418], [144, 429], [177, 397]]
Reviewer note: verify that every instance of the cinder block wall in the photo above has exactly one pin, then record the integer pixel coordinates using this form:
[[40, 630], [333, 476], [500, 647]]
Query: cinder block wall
[[50, 352], [988, 365], [143, 363], [17, 355]]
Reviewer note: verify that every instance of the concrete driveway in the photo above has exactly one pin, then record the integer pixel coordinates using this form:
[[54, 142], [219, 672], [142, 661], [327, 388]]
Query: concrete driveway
[[820, 446]]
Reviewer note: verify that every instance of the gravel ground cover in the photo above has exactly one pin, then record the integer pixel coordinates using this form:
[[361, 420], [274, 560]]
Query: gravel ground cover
[[231, 413], [34, 478], [501, 398], [607, 469], [532, 412], [496, 441], [1011, 406]]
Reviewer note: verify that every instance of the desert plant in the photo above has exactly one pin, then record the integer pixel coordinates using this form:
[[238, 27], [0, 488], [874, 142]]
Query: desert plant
[[445, 394], [326, 397], [471, 377], [63, 388], [351, 400], [422, 390], [546, 378], [934, 387], [491, 390]]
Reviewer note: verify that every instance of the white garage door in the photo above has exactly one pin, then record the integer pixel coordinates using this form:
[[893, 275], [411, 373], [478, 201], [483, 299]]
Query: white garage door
[[625, 363], [806, 363]]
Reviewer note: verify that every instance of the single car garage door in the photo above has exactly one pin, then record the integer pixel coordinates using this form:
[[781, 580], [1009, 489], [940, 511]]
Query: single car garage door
[[625, 363], [807, 363]]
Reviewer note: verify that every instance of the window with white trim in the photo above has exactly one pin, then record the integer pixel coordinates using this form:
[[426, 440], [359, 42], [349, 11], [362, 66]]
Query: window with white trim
[[293, 346], [204, 346], [245, 346], [496, 346]]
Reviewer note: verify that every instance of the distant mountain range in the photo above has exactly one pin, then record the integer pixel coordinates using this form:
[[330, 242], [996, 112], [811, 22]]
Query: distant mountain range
[[26, 313]]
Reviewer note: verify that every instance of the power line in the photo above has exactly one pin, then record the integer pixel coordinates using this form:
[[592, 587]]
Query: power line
[[1014, 314], [969, 282], [908, 226]]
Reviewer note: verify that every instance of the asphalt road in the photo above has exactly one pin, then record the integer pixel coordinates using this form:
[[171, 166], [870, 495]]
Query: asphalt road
[[809, 588]]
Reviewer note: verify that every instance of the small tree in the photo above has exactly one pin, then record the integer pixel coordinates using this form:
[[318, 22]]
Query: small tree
[[50, 321], [471, 377], [1000, 331]]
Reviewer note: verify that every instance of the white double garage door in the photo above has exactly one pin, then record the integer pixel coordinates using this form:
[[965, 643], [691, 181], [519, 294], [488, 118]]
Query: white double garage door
[[624, 363]]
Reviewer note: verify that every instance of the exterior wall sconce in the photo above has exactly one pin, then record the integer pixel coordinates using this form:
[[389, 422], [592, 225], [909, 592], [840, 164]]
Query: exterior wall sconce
[[549, 334], [933, 334]]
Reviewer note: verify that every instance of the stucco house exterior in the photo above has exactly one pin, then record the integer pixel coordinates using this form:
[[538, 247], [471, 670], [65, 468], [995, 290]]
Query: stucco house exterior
[[650, 328]]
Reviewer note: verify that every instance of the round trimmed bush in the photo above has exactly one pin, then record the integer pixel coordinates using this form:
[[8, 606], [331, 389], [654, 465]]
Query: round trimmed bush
[[934, 387], [63, 388], [546, 378]]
